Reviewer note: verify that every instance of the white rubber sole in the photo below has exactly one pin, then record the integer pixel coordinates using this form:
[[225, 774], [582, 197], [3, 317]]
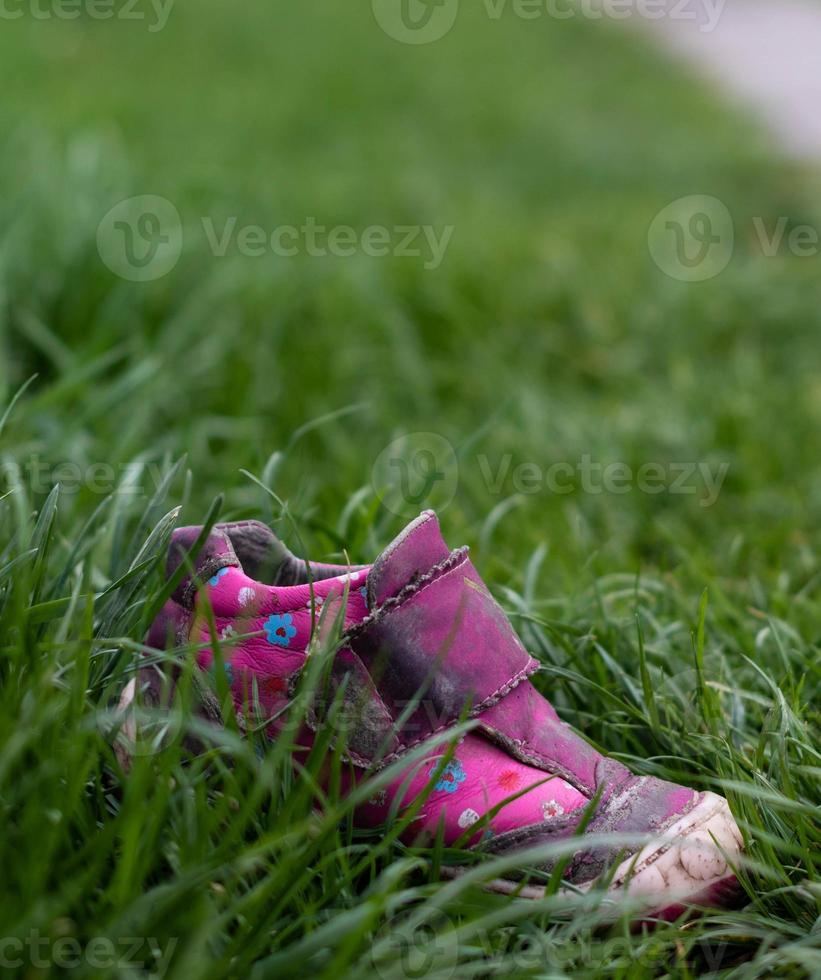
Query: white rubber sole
[[689, 863], [128, 731]]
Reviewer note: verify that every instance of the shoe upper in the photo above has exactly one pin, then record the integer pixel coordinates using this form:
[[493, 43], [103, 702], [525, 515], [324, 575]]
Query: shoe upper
[[424, 646]]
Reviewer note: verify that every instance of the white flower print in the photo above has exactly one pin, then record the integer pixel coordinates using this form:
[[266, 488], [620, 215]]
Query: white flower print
[[246, 596], [551, 809], [379, 798], [467, 818], [228, 635]]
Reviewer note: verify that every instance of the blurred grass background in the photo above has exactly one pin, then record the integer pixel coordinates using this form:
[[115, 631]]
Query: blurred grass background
[[547, 332]]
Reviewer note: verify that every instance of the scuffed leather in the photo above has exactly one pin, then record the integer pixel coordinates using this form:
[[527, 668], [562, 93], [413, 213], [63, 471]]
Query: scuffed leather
[[430, 645]]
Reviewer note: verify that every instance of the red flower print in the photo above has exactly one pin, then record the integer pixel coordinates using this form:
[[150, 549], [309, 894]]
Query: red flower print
[[509, 780], [272, 686]]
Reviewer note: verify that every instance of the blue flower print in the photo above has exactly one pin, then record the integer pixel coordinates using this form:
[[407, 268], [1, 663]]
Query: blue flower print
[[216, 579], [279, 630], [451, 777]]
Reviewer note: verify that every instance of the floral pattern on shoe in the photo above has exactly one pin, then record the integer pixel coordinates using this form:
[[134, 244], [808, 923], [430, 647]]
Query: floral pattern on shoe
[[279, 630], [272, 687], [467, 818], [246, 596], [451, 776], [509, 780], [216, 578], [551, 809]]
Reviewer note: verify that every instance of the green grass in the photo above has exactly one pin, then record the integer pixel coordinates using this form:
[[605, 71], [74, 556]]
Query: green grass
[[547, 334]]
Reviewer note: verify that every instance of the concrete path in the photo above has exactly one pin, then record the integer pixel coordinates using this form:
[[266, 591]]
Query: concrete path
[[767, 53]]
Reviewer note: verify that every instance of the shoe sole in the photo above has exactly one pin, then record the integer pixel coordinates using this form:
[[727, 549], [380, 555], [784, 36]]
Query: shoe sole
[[688, 864], [128, 731]]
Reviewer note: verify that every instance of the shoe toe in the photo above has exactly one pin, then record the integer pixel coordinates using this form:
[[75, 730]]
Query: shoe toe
[[691, 861], [700, 857]]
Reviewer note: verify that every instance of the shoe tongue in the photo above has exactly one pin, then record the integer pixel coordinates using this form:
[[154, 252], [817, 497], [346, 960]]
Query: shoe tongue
[[413, 552]]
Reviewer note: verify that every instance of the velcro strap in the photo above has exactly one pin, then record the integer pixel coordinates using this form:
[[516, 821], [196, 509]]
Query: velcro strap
[[362, 724], [442, 649]]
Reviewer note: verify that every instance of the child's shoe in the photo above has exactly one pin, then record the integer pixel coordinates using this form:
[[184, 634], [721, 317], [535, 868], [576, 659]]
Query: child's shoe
[[426, 646]]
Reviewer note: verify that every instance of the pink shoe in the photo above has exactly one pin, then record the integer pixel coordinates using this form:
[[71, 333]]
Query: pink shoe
[[426, 645]]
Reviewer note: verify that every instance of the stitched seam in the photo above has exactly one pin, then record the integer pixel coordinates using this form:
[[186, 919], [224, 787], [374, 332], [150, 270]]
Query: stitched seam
[[497, 695], [526, 753], [407, 746], [403, 749], [664, 848], [203, 573], [393, 548], [522, 834], [357, 759], [530, 667], [677, 816], [411, 589], [230, 524]]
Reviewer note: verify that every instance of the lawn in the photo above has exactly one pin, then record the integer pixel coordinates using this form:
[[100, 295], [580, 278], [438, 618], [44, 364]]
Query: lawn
[[678, 630]]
